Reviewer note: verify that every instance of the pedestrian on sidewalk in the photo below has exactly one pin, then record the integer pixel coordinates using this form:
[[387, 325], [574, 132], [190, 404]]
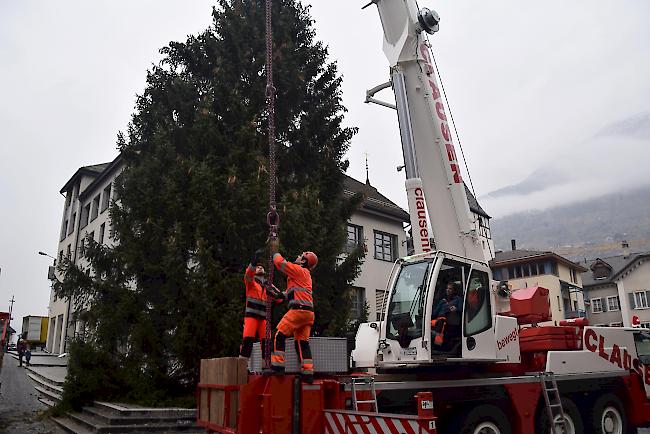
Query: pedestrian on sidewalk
[[28, 353], [20, 347]]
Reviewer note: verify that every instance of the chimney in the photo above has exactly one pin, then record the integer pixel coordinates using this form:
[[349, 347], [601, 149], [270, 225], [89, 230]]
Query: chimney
[[626, 248], [513, 243]]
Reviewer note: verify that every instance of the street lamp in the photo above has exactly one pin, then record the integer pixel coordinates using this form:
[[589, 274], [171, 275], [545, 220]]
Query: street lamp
[[45, 254]]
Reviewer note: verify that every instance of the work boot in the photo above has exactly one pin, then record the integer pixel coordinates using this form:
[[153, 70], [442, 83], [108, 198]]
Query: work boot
[[307, 378], [272, 371]]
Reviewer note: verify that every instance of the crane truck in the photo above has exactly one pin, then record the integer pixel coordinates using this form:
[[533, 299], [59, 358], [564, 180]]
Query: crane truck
[[498, 369]]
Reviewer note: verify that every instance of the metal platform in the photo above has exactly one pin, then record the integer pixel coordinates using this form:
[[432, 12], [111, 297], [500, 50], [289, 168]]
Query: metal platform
[[330, 356]]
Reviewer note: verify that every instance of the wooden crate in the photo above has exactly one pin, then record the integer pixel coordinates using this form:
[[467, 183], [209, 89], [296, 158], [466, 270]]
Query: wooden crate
[[226, 371]]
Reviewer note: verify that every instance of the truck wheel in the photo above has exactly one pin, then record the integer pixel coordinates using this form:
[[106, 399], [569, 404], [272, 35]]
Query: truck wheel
[[607, 416], [484, 419], [573, 420]]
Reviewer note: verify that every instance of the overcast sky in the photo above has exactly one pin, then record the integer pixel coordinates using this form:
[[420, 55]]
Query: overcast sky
[[556, 92]]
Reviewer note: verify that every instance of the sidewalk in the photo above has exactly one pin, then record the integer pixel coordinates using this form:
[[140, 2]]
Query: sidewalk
[[20, 410], [42, 359]]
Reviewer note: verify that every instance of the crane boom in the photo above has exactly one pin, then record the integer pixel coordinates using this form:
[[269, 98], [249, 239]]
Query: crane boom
[[434, 184]]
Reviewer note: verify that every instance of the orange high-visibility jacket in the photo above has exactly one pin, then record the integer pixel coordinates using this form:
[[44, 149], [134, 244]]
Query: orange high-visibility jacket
[[255, 295], [299, 291]]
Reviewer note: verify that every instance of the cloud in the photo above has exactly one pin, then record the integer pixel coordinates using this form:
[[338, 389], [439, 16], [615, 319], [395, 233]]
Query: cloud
[[614, 159]]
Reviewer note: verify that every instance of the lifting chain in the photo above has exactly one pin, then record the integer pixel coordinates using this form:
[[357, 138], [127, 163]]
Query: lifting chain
[[272, 218]]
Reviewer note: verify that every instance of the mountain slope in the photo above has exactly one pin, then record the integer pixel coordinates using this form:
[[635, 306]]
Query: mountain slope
[[582, 229]]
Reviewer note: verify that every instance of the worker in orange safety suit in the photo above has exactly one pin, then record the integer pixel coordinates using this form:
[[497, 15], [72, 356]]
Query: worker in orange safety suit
[[255, 314], [298, 321]]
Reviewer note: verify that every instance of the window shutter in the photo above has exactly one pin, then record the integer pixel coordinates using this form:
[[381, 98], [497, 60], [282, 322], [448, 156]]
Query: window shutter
[[603, 303], [632, 303], [647, 298]]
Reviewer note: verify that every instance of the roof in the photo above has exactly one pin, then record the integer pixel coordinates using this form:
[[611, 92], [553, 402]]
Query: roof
[[94, 171], [474, 206], [522, 256], [106, 171], [373, 201], [619, 264]]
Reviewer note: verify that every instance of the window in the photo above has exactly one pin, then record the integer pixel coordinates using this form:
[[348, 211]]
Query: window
[[613, 303], [68, 251], [85, 212], [639, 300], [60, 256], [68, 197], [355, 237], [358, 302], [106, 199], [574, 276], [478, 315], [642, 342], [601, 272], [406, 309], [596, 305], [645, 325], [499, 274], [380, 300], [64, 230], [553, 266], [82, 246], [92, 235], [71, 224], [385, 246], [95, 208], [102, 229]]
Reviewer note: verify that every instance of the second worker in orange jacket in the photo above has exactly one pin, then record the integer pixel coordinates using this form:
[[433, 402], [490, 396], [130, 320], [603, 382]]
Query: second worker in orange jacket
[[255, 313], [297, 322]]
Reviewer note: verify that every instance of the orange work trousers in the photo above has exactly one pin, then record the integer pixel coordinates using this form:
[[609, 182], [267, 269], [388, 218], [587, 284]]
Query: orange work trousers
[[296, 323], [254, 327]]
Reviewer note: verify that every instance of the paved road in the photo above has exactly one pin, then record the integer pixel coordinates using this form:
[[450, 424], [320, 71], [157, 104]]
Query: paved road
[[20, 410]]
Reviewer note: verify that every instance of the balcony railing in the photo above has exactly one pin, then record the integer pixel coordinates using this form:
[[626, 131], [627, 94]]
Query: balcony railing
[[571, 314]]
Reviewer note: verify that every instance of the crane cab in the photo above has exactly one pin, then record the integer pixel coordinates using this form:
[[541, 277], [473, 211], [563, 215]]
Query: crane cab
[[441, 308]]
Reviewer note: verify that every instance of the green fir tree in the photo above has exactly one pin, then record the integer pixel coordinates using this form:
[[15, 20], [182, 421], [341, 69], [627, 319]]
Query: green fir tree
[[193, 199]]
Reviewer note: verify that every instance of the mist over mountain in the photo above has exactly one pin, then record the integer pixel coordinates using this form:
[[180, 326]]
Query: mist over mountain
[[613, 158], [583, 229]]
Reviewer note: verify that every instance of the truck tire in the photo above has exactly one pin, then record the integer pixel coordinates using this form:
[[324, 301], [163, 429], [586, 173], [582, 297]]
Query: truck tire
[[484, 419], [572, 416], [607, 416]]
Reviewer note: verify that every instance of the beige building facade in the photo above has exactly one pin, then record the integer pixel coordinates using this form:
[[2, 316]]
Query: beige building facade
[[378, 225], [88, 195], [618, 290], [530, 268]]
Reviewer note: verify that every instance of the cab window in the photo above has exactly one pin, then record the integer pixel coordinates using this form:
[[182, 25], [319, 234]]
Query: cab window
[[477, 313], [642, 342]]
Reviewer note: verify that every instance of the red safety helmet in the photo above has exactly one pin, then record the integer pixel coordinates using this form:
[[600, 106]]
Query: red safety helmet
[[311, 258]]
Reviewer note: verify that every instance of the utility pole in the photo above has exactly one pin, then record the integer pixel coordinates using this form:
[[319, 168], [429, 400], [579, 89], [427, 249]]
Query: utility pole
[[11, 309]]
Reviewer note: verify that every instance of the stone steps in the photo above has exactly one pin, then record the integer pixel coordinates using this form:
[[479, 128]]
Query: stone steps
[[48, 394], [50, 403], [70, 426], [105, 417], [110, 417]]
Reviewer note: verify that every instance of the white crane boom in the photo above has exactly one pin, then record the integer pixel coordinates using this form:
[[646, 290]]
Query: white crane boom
[[434, 183]]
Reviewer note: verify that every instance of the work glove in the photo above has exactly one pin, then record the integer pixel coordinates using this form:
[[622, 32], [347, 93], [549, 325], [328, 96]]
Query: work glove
[[256, 256], [276, 293]]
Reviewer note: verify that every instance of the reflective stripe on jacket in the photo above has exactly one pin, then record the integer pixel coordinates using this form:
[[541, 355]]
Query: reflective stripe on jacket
[[299, 287], [255, 295]]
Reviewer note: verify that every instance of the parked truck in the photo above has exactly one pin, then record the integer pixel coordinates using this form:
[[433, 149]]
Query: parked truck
[[491, 365], [35, 330]]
